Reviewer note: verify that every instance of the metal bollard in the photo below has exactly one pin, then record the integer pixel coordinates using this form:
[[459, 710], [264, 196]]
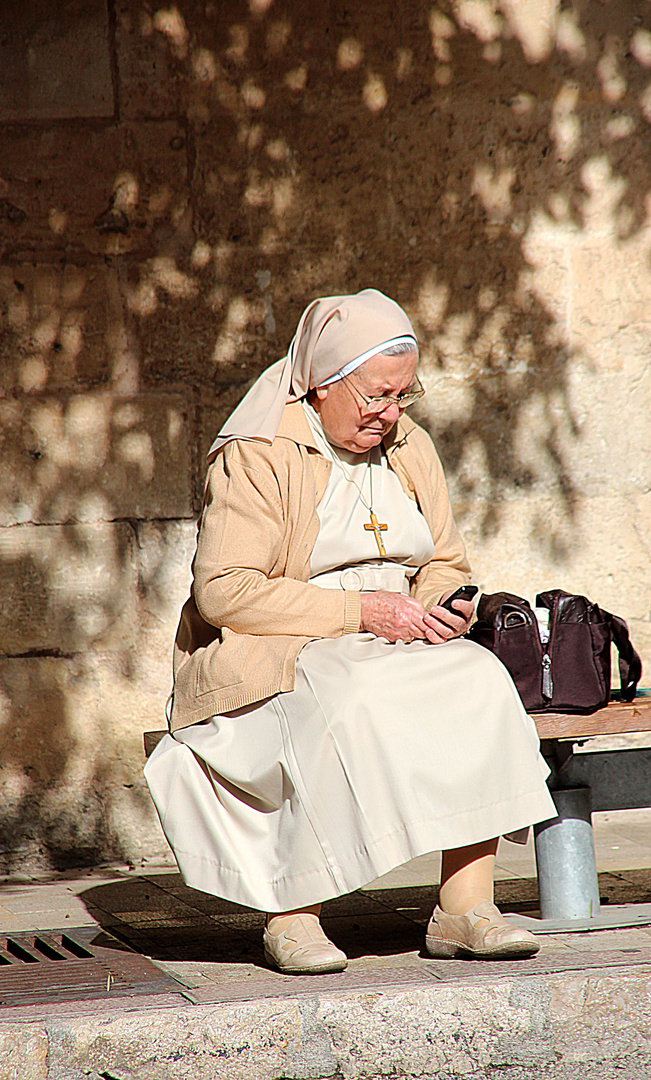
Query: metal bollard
[[567, 870]]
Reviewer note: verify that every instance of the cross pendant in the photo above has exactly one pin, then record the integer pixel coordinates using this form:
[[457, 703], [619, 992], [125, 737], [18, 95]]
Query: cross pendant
[[377, 528]]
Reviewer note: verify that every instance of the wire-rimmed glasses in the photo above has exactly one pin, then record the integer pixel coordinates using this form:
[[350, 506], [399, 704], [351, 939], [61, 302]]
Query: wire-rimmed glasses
[[379, 404]]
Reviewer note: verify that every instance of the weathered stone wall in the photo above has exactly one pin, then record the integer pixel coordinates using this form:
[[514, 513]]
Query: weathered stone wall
[[177, 181]]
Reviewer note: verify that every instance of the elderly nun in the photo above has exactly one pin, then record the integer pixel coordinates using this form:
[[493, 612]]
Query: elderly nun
[[329, 721]]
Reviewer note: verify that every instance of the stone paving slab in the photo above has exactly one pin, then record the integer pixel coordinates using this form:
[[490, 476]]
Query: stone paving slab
[[212, 983]]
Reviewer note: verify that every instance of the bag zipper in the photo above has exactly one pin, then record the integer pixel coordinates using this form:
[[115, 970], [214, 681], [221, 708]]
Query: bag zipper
[[547, 683], [547, 688], [547, 679]]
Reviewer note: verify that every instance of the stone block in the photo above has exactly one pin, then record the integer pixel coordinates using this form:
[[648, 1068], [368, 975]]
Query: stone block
[[55, 60], [585, 432], [72, 726], [210, 59], [59, 328], [23, 1053], [497, 436], [230, 207], [611, 325], [545, 282], [388, 209], [110, 190], [95, 457], [71, 785], [607, 444], [569, 438], [164, 554], [80, 719], [416, 1033], [240, 320], [237, 1043], [67, 588], [153, 77], [561, 1021], [204, 341], [600, 1017]]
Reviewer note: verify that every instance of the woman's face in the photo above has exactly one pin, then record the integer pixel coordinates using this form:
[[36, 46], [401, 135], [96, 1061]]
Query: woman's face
[[344, 414]]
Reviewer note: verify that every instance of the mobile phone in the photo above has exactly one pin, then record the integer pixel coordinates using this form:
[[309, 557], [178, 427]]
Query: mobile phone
[[466, 592]]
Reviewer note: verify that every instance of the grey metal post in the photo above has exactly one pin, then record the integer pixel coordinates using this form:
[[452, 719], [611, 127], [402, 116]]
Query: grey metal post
[[567, 870]]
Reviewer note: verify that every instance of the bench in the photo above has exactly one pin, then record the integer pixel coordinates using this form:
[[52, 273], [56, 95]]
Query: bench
[[579, 784]]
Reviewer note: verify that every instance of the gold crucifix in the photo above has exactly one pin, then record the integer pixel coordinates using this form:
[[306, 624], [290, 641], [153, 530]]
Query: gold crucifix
[[377, 528]]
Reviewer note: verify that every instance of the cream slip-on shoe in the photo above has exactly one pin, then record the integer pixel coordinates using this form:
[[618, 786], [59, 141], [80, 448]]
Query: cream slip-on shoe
[[482, 932], [303, 949]]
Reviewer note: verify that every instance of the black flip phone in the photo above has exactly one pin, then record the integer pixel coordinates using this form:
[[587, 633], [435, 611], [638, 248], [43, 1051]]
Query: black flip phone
[[465, 592]]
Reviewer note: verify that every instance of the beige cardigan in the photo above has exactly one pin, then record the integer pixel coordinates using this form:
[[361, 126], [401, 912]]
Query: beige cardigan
[[252, 608]]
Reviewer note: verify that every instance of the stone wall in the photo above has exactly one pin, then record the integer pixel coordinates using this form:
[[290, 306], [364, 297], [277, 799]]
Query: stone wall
[[177, 180]]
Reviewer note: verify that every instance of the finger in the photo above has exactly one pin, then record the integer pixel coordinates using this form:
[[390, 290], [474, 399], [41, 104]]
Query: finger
[[412, 631], [424, 632], [454, 620], [444, 631], [465, 608], [444, 628]]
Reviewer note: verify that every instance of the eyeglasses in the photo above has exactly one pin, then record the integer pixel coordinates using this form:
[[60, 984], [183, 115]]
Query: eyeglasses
[[379, 404]]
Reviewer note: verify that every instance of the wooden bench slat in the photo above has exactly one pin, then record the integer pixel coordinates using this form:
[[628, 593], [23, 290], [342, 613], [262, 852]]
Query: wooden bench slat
[[151, 740], [617, 718]]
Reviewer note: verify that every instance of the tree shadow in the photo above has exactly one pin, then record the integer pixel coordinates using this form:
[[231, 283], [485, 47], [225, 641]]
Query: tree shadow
[[333, 148]]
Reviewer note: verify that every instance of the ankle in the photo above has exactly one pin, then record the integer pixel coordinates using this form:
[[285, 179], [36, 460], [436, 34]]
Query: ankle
[[276, 923], [459, 905]]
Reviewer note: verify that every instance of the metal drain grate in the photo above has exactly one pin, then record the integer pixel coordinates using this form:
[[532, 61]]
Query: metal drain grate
[[74, 965]]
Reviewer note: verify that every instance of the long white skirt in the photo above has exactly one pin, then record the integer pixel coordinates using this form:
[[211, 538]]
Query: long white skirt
[[382, 752]]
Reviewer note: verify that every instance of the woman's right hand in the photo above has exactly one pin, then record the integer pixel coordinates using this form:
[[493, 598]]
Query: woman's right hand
[[394, 616]]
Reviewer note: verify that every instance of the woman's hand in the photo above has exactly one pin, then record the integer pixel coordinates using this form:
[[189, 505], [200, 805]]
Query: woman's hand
[[397, 617], [393, 616], [448, 625]]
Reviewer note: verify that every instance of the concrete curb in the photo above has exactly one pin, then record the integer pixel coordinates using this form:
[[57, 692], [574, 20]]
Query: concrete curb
[[593, 1018]]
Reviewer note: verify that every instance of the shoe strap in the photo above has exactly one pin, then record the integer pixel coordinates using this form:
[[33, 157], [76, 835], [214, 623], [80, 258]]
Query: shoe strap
[[310, 926], [475, 917]]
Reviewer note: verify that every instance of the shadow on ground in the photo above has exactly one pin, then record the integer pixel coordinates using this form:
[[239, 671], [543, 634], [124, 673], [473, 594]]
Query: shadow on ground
[[165, 919]]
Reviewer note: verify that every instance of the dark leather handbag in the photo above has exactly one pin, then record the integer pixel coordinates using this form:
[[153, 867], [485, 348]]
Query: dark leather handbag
[[567, 669]]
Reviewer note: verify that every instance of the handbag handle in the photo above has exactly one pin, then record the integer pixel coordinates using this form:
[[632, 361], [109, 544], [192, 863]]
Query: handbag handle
[[630, 664]]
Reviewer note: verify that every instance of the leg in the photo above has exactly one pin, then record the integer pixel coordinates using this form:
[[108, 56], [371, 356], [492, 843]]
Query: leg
[[467, 876], [295, 943], [467, 923], [276, 922]]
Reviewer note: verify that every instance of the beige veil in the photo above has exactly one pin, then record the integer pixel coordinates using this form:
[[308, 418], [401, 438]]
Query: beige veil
[[333, 331]]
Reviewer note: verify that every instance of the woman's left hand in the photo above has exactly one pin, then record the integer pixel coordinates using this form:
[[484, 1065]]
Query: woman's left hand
[[445, 624]]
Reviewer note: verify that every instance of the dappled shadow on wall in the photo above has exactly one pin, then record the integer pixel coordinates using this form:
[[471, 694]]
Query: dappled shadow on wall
[[443, 153], [460, 159]]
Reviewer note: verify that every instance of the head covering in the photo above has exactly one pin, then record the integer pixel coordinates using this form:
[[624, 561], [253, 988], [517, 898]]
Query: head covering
[[359, 360], [334, 335]]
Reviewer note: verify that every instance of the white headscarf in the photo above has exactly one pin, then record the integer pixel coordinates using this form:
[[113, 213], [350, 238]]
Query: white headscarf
[[335, 335]]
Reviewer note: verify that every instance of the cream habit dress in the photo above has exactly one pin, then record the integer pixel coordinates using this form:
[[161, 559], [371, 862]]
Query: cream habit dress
[[382, 752]]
